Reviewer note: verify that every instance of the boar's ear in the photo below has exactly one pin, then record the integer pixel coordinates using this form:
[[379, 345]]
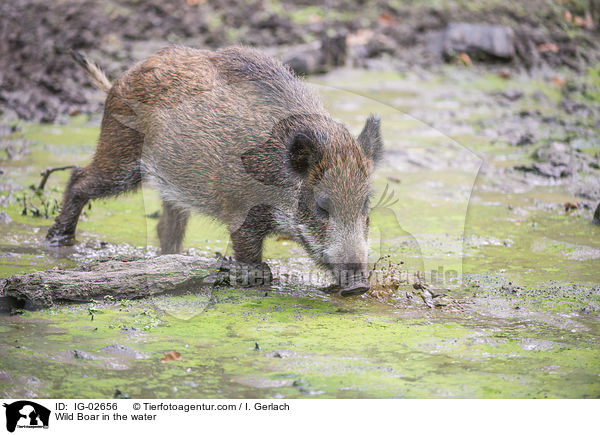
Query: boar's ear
[[370, 138], [304, 152]]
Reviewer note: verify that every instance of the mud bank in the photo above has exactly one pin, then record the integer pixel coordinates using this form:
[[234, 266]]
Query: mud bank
[[39, 80]]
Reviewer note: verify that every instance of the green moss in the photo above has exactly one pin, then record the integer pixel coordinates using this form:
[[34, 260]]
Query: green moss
[[336, 353]]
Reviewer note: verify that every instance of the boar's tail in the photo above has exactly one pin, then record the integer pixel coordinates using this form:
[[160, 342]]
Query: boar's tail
[[93, 71]]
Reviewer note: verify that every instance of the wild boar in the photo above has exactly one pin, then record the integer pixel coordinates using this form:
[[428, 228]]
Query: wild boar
[[233, 134]]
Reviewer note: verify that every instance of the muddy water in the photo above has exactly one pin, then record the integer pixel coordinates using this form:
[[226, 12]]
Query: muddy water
[[519, 274]]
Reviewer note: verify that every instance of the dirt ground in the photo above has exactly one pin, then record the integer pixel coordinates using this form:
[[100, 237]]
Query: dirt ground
[[40, 81]]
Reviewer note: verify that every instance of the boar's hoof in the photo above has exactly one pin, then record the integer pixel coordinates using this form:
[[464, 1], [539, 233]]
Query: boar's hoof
[[231, 272], [55, 240], [354, 290]]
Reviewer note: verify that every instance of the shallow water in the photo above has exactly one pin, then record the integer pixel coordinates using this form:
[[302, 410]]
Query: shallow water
[[519, 273]]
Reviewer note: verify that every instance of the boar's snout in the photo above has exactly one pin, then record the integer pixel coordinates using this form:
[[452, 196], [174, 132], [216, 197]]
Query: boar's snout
[[352, 278]]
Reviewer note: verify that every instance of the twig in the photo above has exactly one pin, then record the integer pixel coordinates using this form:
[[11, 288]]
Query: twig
[[45, 174]]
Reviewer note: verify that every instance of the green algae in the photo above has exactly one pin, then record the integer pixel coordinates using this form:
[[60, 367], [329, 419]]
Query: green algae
[[325, 350]]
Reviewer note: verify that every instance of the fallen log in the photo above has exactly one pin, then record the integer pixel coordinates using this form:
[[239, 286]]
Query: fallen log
[[122, 278]]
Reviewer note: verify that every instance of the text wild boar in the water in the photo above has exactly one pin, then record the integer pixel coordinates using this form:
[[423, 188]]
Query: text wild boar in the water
[[233, 134]]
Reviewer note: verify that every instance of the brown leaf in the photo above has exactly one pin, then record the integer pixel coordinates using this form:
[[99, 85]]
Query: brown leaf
[[559, 81], [504, 74], [171, 356], [195, 2], [585, 21], [568, 16], [360, 37], [542, 48], [579, 22], [315, 19], [464, 57], [386, 19], [571, 206]]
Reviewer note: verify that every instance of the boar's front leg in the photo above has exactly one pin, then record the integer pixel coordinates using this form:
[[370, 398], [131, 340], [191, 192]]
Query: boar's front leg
[[248, 246], [171, 228], [248, 239]]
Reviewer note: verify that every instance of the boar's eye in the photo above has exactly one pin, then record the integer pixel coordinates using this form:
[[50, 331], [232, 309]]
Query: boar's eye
[[322, 207]]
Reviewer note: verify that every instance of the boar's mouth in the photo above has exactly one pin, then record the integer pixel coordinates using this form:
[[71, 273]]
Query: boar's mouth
[[358, 283]]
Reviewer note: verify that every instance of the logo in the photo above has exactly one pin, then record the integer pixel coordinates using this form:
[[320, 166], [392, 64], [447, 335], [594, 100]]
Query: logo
[[26, 414]]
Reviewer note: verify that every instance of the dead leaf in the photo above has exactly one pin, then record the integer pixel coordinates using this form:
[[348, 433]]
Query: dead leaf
[[394, 179], [282, 239], [315, 19], [504, 74], [360, 37], [517, 223], [171, 356], [542, 48], [571, 206], [195, 2], [464, 57], [385, 19], [568, 16], [559, 81], [585, 21]]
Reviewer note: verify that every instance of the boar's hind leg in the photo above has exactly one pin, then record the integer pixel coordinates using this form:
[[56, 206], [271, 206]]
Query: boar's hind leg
[[171, 228], [88, 183], [115, 169]]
